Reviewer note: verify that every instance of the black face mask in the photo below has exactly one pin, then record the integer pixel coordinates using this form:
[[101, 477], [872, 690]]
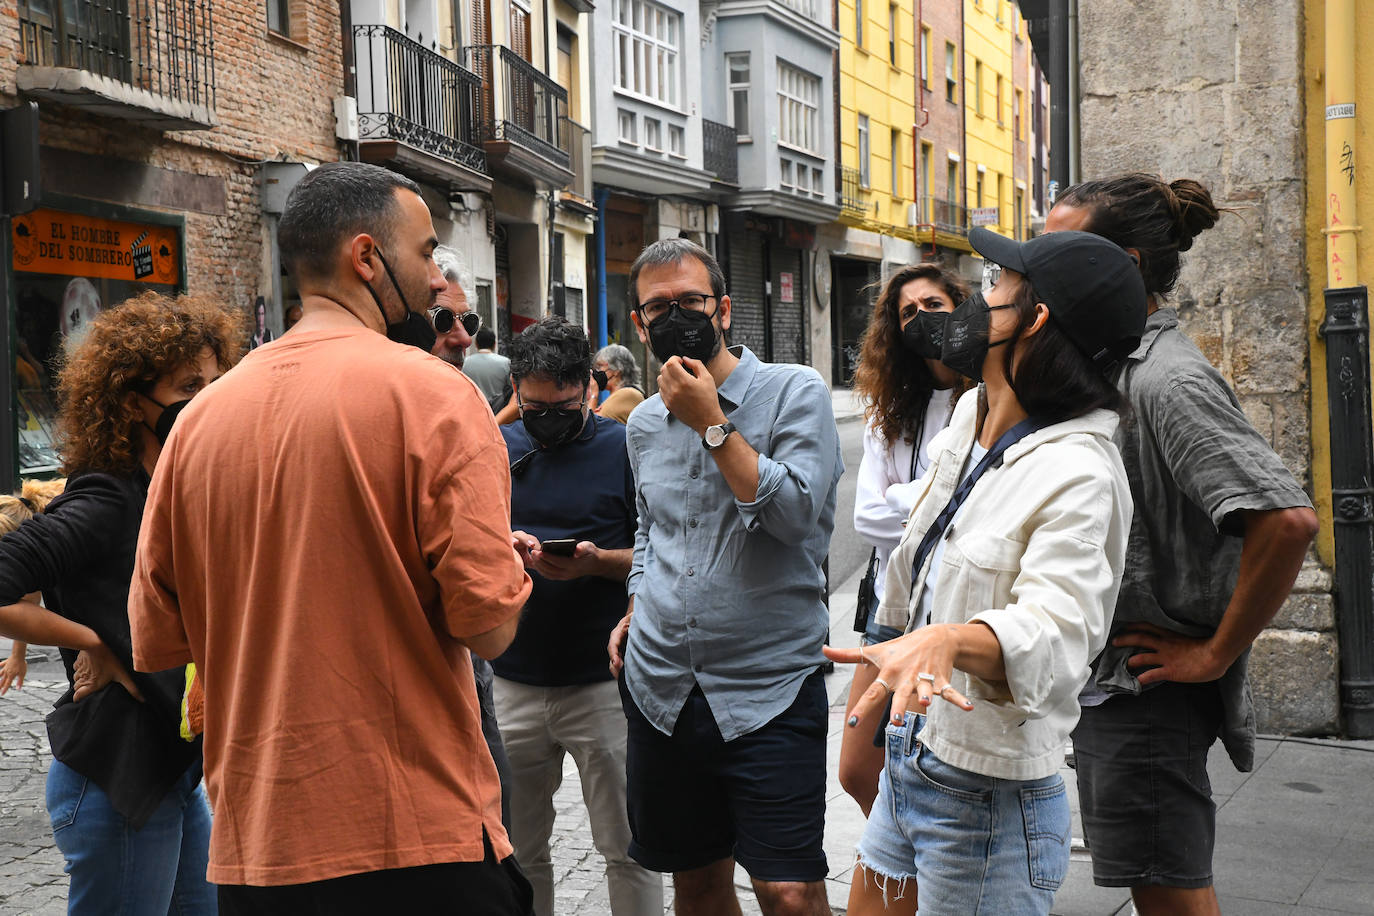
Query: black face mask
[[965, 347], [555, 426], [600, 378], [163, 428], [925, 333], [684, 332], [414, 328]]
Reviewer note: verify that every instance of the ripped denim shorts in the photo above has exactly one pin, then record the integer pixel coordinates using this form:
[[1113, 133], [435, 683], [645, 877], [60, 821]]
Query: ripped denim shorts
[[973, 844]]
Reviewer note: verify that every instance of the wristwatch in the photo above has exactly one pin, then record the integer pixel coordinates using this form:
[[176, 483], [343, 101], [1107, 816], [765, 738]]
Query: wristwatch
[[715, 435]]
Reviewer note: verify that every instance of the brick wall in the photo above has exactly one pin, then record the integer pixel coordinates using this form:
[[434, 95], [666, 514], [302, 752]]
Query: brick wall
[[944, 128]]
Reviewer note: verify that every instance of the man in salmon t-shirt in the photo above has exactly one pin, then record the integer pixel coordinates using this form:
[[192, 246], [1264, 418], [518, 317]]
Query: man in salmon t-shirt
[[327, 539]]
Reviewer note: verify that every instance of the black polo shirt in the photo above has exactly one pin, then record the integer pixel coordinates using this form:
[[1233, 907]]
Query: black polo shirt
[[582, 490]]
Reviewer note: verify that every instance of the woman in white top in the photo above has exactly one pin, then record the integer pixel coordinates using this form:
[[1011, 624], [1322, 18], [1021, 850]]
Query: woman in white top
[[1012, 558], [908, 395]]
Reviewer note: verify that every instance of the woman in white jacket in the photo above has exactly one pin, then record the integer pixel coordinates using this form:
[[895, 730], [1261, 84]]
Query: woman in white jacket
[[1012, 558], [908, 395]]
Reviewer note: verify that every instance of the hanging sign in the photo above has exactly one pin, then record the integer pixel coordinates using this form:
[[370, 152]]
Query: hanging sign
[[72, 244]]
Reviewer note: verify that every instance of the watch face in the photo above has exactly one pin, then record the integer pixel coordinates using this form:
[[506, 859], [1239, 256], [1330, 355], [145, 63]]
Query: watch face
[[715, 435]]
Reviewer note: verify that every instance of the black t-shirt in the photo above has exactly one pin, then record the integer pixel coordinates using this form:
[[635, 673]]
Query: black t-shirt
[[582, 490]]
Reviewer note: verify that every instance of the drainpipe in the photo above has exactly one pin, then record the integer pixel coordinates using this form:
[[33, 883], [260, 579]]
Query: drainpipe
[[1059, 98], [1346, 332], [925, 114], [1075, 164], [599, 233]]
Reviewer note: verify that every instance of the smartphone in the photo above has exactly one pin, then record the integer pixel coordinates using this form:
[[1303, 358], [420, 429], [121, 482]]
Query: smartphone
[[560, 547]]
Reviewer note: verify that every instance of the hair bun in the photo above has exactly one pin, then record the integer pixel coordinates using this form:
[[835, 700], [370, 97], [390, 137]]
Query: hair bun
[[1195, 209]]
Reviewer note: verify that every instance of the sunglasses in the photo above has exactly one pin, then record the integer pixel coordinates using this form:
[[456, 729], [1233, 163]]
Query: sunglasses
[[444, 319]]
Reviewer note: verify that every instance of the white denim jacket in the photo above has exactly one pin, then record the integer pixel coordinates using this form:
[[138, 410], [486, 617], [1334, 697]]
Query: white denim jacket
[[1036, 554]]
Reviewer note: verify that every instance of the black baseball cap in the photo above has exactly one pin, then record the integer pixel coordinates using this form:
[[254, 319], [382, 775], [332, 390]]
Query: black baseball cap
[[1091, 287]]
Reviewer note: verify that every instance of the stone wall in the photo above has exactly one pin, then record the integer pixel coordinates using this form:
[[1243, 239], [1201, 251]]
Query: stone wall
[[1212, 90]]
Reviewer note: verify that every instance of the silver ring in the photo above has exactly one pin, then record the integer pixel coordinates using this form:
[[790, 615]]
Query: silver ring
[[926, 676], [942, 690], [886, 685]]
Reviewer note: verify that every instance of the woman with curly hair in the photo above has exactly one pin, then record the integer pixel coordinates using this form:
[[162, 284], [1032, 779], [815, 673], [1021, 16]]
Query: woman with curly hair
[[123, 792], [909, 395]]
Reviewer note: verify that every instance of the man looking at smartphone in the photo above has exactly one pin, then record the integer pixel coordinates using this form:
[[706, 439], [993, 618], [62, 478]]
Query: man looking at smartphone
[[573, 516]]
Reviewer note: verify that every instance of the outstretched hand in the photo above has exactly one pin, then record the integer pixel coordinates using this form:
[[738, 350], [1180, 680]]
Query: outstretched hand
[[918, 664], [13, 671]]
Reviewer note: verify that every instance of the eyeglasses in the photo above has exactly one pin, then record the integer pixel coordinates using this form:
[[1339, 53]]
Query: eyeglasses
[[991, 274], [537, 408], [444, 319], [655, 309]]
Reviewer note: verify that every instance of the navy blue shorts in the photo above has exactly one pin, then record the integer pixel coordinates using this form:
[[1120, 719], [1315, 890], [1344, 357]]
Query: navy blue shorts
[[695, 798]]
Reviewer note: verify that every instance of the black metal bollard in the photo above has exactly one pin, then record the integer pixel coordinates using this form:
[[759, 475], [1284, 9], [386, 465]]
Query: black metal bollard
[[1346, 331]]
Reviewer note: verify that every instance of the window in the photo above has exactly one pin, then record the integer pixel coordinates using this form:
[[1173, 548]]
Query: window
[[999, 98], [627, 127], [645, 39], [799, 111], [951, 73], [978, 87], [859, 23], [737, 69], [279, 17], [1016, 116], [896, 163], [676, 140], [952, 182], [817, 184], [653, 135], [926, 154], [863, 151], [925, 58], [1016, 230], [787, 180], [892, 34], [978, 190], [806, 7], [803, 179]]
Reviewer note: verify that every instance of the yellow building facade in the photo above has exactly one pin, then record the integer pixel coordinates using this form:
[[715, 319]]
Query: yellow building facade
[[877, 102], [990, 28]]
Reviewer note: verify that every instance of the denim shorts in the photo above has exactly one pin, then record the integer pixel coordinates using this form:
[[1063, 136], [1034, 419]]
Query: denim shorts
[[973, 844]]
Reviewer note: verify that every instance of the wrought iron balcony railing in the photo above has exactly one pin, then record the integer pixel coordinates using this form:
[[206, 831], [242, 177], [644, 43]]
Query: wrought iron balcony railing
[[520, 104], [164, 47], [944, 215], [853, 195], [408, 93], [720, 150]]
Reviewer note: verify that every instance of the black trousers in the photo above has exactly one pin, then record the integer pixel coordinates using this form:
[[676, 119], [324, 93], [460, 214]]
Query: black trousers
[[486, 888]]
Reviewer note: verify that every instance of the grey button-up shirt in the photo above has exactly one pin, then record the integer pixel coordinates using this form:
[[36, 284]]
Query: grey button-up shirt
[[729, 594], [1193, 461]]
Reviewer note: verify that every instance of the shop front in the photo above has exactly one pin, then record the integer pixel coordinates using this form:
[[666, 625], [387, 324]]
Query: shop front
[[68, 261]]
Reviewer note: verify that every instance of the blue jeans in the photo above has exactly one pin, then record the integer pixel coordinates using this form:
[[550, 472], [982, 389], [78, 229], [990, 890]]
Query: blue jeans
[[157, 870], [974, 844]]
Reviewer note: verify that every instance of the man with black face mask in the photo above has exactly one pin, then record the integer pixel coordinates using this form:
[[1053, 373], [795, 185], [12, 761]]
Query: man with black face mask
[[736, 464], [329, 572], [570, 481]]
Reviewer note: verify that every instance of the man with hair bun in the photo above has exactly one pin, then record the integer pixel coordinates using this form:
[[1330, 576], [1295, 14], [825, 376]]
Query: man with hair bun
[[1218, 536]]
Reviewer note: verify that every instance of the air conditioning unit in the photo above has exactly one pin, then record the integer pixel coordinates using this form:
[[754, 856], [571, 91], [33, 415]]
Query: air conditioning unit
[[913, 214]]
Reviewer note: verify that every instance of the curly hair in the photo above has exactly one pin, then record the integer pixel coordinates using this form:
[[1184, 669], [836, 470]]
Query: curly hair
[[552, 348], [894, 382], [127, 349]]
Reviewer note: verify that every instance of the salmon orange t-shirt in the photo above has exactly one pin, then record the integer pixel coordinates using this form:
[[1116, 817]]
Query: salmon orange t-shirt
[[326, 523]]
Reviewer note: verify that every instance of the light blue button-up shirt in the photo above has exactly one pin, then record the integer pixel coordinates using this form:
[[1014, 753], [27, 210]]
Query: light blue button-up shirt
[[729, 594]]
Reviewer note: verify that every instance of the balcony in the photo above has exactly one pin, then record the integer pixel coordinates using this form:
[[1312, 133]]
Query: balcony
[[418, 111], [720, 153], [578, 195], [523, 114], [853, 195], [946, 216], [151, 62]]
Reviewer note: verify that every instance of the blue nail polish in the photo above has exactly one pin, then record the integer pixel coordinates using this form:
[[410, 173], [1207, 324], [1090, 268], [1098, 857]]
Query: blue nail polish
[[853, 721]]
